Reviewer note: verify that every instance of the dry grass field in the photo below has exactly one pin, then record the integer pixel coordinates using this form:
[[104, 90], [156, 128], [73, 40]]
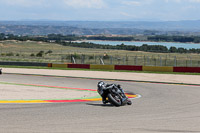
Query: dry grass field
[[27, 51]]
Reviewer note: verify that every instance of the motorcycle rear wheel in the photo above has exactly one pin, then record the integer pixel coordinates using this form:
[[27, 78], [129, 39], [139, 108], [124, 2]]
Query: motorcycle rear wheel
[[114, 100]]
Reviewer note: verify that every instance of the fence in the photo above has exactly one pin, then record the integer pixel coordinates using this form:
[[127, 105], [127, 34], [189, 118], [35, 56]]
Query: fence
[[136, 60], [143, 60]]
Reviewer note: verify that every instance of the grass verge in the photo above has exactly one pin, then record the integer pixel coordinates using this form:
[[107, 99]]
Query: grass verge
[[153, 72]]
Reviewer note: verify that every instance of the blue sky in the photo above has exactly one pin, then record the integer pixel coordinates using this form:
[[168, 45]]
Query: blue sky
[[100, 10]]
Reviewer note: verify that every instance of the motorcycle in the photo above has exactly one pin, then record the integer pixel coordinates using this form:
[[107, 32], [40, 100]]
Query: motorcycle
[[114, 93]]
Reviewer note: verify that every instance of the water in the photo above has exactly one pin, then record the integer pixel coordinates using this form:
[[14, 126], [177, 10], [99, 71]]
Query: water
[[167, 44]]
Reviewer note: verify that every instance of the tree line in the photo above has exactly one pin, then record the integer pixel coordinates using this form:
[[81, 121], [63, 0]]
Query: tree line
[[144, 47], [60, 37], [114, 38], [68, 41], [183, 39]]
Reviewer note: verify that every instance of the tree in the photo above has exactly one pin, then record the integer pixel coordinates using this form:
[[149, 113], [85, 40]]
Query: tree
[[40, 54], [172, 49]]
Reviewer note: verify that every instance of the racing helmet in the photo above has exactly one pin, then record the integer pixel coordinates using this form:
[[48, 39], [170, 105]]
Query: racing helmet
[[100, 83]]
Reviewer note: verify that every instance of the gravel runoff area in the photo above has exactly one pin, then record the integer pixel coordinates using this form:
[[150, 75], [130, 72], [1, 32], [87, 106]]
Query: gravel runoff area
[[169, 78]]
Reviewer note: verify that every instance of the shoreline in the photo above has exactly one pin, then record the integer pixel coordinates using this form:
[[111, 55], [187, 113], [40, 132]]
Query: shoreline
[[140, 43], [135, 41]]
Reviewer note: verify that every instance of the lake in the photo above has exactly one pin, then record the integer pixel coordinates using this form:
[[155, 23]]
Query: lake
[[167, 44]]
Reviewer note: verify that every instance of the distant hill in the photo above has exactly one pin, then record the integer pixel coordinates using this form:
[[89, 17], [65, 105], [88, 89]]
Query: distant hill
[[65, 30], [100, 27]]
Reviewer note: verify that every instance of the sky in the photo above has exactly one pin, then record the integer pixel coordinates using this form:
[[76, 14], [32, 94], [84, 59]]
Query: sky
[[100, 10]]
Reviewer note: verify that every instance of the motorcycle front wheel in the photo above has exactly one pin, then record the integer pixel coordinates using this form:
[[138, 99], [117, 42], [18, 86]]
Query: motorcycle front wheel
[[115, 100]]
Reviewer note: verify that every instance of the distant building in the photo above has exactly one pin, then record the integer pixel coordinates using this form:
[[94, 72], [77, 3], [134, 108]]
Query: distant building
[[52, 41]]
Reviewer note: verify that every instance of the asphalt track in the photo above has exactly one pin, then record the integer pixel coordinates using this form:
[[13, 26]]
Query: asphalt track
[[162, 108]]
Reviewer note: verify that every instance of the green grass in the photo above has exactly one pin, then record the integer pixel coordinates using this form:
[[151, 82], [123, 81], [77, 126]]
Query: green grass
[[21, 51]]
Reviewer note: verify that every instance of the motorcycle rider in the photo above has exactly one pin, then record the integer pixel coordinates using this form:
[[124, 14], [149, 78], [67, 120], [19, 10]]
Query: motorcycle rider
[[102, 89], [0, 71]]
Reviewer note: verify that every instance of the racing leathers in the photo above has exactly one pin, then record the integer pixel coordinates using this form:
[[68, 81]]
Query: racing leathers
[[102, 88]]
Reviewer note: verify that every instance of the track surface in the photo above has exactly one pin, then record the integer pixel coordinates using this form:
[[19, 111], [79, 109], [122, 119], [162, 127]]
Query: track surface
[[162, 108]]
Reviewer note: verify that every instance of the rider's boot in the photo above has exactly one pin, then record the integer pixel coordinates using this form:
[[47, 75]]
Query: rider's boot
[[104, 100]]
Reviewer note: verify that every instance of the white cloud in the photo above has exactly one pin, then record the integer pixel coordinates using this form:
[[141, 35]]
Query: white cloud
[[85, 3], [195, 1], [176, 1], [136, 3], [183, 1], [23, 3], [125, 14]]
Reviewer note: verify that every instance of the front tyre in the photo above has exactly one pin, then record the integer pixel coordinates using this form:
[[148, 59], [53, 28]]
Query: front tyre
[[115, 100], [129, 102]]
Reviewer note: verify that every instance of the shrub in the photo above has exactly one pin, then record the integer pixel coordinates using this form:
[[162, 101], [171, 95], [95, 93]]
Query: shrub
[[9, 54], [32, 55], [40, 54]]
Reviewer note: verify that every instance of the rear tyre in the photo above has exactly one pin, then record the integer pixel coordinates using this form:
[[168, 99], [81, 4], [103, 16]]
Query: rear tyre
[[115, 100]]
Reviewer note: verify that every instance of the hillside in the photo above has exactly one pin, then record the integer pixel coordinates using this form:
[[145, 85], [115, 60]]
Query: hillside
[[100, 27]]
